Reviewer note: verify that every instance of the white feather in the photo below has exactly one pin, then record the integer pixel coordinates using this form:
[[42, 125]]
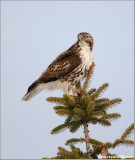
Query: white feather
[[55, 85], [86, 54], [47, 86], [87, 59]]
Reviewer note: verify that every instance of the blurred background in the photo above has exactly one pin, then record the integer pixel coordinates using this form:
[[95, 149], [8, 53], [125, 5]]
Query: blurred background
[[33, 34]]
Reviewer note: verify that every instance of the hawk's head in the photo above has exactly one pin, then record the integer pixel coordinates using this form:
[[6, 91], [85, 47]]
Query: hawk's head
[[86, 37]]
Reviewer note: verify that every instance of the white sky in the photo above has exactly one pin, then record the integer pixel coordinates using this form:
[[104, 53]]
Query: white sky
[[33, 34]]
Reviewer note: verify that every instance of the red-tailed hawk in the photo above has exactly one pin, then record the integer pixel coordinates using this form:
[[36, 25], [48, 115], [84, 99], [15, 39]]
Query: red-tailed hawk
[[67, 69]]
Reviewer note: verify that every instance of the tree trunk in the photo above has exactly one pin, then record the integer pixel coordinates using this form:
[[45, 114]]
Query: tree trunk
[[86, 132]]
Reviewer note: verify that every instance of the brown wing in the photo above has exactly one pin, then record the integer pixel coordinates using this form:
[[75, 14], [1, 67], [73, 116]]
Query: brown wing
[[62, 65]]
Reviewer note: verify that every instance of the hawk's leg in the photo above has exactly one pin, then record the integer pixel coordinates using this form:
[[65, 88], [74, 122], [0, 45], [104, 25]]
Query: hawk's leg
[[67, 93]]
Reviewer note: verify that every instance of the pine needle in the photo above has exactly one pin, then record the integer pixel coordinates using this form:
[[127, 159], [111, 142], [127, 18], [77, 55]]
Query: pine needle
[[104, 122], [63, 150], [127, 132], [79, 111], [74, 140], [100, 90], [89, 76], [62, 127], [78, 85], [58, 107], [101, 101], [128, 142], [68, 119], [64, 112], [91, 91], [56, 100], [110, 116], [115, 101], [75, 126], [97, 113], [117, 142], [108, 144], [94, 141], [90, 107]]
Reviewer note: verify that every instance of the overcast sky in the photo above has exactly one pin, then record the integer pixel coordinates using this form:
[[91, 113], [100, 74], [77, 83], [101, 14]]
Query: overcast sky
[[33, 34]]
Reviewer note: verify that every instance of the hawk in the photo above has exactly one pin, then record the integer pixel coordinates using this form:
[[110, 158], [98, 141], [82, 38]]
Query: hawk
[[67, 69]]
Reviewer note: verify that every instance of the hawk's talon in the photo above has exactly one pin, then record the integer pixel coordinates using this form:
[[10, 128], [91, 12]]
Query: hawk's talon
[[75, 91]]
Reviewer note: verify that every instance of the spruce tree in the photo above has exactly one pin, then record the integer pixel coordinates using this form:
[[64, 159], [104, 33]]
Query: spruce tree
[[83, 108]]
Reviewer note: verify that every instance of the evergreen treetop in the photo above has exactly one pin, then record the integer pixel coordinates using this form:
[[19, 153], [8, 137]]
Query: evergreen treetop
[[84, 108]]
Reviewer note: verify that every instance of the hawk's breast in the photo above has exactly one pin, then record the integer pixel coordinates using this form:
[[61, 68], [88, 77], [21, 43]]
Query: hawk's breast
[[81, 71], [86, 56]]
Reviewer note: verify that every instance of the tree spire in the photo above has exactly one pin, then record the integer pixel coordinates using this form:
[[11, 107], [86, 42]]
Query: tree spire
[[82, 109]]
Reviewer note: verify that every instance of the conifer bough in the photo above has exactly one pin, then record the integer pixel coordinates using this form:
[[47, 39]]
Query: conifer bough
[[82, 109]]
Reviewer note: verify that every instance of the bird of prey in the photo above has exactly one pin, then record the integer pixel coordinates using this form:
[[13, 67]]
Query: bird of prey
[[67, 69]]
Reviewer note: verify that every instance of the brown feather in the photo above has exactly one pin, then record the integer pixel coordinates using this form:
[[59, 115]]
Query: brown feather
[[62, 65], [68, 67]]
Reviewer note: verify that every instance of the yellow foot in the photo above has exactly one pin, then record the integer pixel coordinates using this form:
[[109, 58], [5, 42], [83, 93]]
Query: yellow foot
[[75, 91]]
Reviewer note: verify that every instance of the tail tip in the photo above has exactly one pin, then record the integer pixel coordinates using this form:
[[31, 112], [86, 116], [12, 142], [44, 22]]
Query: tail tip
[[24, 99]]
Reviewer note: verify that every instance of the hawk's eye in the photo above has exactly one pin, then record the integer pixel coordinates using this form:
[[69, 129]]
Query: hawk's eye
[[86, 36]]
